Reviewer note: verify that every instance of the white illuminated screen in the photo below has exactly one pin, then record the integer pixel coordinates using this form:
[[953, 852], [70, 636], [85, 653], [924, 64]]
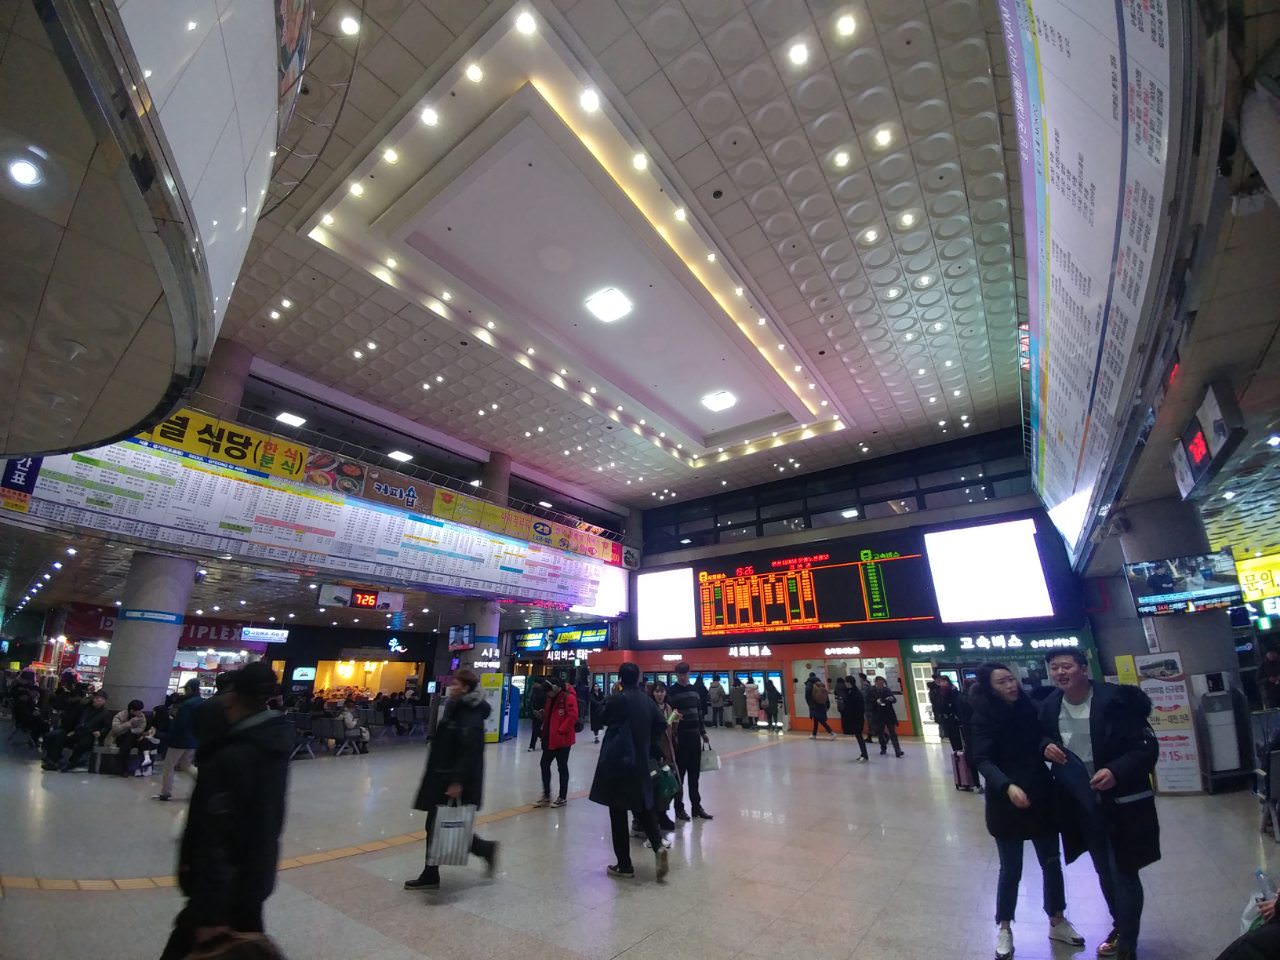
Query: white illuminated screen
[[990, 572], [611, 596], [664, 605]]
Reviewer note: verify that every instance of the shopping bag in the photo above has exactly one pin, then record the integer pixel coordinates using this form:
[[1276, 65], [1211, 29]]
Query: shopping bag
[[665, 782], [451, 835], [710, 760], [1252, 916]]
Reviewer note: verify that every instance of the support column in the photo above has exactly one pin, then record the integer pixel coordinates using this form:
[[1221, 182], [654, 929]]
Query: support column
[[222, 386], [496, 478], [156, 593], [486, 615], [1162, 529]]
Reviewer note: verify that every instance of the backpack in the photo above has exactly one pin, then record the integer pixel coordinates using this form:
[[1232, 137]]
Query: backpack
[[820, 696]]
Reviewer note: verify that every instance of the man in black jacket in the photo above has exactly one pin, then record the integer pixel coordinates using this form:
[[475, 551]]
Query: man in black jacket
[[1104, 752], [231, 845], [537, 702], [691, 734], [91, 728]]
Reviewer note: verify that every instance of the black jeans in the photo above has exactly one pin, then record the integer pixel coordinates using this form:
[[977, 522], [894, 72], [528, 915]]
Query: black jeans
[[622, 839], [889, 734], [953, 733], [80, 742], [537, 732], [561, 757], [245, 919], [825, 726], [1260, 944], [717, 716], [689, 760]]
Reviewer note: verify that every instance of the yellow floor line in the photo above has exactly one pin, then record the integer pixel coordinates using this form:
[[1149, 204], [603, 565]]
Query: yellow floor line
[[8, 883]]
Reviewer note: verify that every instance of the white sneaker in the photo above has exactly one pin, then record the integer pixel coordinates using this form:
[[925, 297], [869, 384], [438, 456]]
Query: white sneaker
[[1004, 943], [1064, 932]]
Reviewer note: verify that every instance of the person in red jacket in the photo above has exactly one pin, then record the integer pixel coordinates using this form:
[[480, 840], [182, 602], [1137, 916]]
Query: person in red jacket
[[559, 723]]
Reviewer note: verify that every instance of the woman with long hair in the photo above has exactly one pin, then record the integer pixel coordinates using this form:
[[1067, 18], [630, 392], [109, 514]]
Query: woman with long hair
[[1019, 799]]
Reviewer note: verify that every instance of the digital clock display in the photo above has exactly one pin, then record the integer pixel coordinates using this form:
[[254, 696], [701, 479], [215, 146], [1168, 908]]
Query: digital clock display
[[364, 598]]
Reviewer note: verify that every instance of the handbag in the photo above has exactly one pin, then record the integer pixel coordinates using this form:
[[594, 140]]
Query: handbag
[[708, 760], [451, 835], [665, 782]]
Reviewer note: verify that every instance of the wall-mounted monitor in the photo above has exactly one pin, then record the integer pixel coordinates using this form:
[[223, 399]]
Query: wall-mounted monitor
[[304, 673], [664, 605], [462, 636], [1184, 584], [611, 595], [990, 572]]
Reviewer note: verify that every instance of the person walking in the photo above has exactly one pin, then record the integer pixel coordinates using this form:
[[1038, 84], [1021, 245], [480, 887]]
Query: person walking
[[622, 783], [597, 713], [819, 699], [691, 736], [851, 715], [455, 769], [1103, 751], [738, 698], [944, 698], [559, 725], [537, 700], [885, 717], [716, 697], [965, 712], [230, 848], [1019, 800], [181, 750], [752, 694]]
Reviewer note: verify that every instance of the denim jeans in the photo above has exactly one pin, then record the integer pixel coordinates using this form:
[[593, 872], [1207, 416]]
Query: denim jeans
[[1055, 896], [1122, 889]]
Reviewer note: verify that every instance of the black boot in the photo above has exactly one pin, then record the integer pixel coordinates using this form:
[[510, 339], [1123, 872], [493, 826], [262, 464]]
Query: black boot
[[429, 879], [681, 814]]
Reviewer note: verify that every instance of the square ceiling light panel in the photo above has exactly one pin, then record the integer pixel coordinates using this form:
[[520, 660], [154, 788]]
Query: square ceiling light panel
[[719, 400], [608, 305]]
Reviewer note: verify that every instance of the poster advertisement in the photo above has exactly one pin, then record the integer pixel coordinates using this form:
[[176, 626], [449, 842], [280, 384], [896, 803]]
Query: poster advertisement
[[1096, 88], [491, 686], [1162, 679]]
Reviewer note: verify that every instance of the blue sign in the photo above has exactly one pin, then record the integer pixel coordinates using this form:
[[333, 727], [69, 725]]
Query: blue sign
[[151, 616], [20, 475]]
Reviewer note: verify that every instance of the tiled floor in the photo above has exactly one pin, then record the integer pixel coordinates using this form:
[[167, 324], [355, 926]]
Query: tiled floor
[[810, 856]]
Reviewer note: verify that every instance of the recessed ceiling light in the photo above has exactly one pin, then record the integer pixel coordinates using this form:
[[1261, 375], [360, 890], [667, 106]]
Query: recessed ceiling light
[[327, 219], [429, 117], [25, 173], [964, 416], [475, 483], [761, 321], [920, 371], [782, 346], [798, 54], [686, 541], [797, 368], [544, 504], [526, 24], [589, 100], [357, 189], [967, 424], [349, 25], [286, 303], [924, 281], [680, 214], [841, 159], [942, 423], [399, 456], [530, 351], [607, 305], [474, 73], [71, 551], [292, 419], [371, 345], [1273, 440], [439, 379], [870, 235], [390, 156], [274, 314], [1229, 495], [719, 401], [955, 393], [493, 406], [357, 354], [640, 161], [846, 25], [392, 262], [893, 293], [947, 364], [191, 25], [883, 137], [909, 337], [711, 258], [480, 413], [908, 219], [199, 613]]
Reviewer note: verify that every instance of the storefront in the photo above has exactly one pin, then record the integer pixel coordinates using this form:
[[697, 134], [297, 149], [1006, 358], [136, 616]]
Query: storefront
[[787, 665], [958, 658]]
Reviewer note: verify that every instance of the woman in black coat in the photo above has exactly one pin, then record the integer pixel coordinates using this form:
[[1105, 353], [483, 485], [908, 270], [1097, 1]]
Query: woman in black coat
[[853, 714], [634, 725], [1006, 749], [455, 768]]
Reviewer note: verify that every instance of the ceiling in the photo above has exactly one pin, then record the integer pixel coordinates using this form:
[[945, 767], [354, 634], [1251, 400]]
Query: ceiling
[[96, 573], [89, 347], [857, 199]]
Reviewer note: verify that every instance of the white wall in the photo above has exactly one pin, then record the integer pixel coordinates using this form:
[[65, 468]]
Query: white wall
[[210, 69]]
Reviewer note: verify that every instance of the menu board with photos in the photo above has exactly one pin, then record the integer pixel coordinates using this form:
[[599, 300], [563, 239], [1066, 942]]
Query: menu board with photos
[[1094, 104], [164, 496]]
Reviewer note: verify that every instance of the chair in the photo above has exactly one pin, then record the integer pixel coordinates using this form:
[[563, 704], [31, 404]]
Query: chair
[[302, 735], [419, 723]]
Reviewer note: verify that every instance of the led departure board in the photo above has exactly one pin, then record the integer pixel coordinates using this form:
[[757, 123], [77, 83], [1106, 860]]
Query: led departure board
[[841, 584]]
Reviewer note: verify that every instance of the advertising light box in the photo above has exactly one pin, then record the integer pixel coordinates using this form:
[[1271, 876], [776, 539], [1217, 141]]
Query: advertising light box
[[1259, 577], [989, 572]]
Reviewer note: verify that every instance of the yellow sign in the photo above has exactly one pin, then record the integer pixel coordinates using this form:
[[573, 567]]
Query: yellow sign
[[206, 436], [1259, 577], [1126, 670], [491, 685]]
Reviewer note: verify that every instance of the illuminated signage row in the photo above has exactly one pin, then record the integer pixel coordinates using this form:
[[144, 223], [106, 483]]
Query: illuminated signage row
[[1009, 642]]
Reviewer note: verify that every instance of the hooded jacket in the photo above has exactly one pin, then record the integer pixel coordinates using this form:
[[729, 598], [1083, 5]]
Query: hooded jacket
[[231, 847], [1006, 750], [457, 753], [1125, 744]]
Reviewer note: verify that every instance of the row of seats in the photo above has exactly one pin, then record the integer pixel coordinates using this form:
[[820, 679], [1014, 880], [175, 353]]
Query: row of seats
[[330, 733]]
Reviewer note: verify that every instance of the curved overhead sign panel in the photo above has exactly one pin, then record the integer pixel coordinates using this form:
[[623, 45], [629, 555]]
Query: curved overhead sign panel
[[1098, 114]]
